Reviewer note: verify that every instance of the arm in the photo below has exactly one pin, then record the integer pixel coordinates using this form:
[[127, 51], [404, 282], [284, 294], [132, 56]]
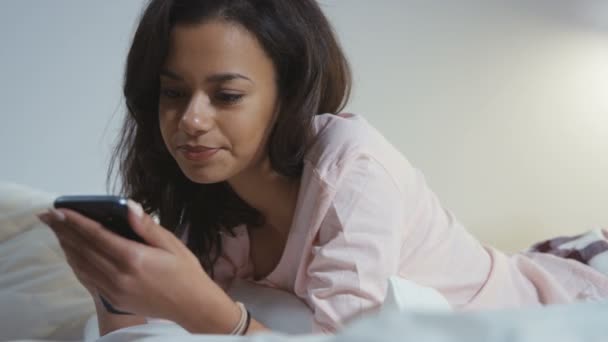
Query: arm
[[213, 313], [377, 229], [199, 318], [357, 248], [160, 279]]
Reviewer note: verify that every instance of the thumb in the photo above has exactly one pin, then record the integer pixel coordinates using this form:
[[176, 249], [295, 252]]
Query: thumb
[[144, 226]]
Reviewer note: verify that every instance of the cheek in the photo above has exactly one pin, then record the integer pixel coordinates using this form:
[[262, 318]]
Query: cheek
[[251, 132], [247, 136]]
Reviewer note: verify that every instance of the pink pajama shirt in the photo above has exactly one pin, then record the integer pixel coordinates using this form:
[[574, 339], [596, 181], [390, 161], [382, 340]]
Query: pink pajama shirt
[[364, 214]]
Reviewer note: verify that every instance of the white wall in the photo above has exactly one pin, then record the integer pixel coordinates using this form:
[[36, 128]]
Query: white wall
[[503, 105], [61, 66]]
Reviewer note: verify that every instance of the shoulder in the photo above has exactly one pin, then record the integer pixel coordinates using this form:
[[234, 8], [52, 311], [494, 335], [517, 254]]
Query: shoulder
[[336, 123], [338, 139], [348, 142], [335, 133]]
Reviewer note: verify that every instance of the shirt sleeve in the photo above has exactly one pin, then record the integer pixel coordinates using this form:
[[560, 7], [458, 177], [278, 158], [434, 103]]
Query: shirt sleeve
[[357, 248]]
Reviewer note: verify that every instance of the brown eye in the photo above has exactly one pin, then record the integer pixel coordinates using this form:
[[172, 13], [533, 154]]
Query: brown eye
[[171, 93], [228, 98]]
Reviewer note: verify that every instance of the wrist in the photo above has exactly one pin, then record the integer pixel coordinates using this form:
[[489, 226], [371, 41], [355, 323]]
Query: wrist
[[212, 314], [108, 322], [242, 327]]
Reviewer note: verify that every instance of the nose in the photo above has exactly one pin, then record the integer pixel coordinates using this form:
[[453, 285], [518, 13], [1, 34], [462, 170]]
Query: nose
[[198, 117]]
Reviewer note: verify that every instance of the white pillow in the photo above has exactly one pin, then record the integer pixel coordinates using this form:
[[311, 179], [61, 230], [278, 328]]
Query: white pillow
[[285, 313], [40, 298], [278, 310], [18, 206]]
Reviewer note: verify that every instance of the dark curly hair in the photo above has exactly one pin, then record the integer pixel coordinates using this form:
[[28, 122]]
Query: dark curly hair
[[313, 77]]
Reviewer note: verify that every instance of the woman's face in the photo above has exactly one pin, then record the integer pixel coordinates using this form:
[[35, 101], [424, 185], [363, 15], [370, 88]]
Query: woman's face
[[218, 99]]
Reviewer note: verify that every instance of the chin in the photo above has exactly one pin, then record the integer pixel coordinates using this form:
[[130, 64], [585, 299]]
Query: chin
[[207, 173], [203, 174], [204, 177]]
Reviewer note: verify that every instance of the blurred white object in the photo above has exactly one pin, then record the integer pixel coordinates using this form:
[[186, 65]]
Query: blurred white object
[[405, 296], [39, 295]]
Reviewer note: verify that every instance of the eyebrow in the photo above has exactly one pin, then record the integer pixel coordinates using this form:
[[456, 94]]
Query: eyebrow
[[215, 78]]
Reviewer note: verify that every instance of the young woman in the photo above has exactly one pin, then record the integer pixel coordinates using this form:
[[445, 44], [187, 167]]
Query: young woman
[[233, 140]]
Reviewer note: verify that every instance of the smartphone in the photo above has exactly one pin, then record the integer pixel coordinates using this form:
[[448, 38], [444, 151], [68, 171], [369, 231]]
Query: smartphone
[[111, 212]]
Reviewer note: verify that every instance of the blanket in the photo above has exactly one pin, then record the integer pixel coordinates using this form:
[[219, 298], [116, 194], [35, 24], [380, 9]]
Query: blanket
[[590, 248]]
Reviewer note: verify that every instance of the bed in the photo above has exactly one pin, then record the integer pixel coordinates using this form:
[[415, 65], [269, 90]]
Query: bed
[[41, 300]]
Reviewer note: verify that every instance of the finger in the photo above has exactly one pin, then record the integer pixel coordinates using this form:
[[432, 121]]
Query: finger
[[88, 265], [54, 220], [50, 217], [154, 234], [69, 240], [93, 267], [85, 255], [95, 270], [128, 257], [45, 217], [98, 237]]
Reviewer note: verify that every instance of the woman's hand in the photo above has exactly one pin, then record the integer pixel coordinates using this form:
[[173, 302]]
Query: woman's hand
[[162, 279]]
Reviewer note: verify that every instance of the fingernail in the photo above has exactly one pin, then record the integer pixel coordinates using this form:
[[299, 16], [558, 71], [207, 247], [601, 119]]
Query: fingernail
[[44, 217], [135, 208], [58, 215]]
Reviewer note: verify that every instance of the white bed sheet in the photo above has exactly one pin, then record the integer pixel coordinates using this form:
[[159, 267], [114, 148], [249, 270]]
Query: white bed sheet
[[572, 323]]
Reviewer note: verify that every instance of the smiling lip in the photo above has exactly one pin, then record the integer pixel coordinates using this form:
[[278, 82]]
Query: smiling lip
[[197, 153]]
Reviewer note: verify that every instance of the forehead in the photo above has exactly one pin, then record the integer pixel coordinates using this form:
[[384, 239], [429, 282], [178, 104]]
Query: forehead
[[214, 45]]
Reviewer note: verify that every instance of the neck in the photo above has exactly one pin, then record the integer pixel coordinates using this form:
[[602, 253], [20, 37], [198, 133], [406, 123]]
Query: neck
[[273, 195]]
